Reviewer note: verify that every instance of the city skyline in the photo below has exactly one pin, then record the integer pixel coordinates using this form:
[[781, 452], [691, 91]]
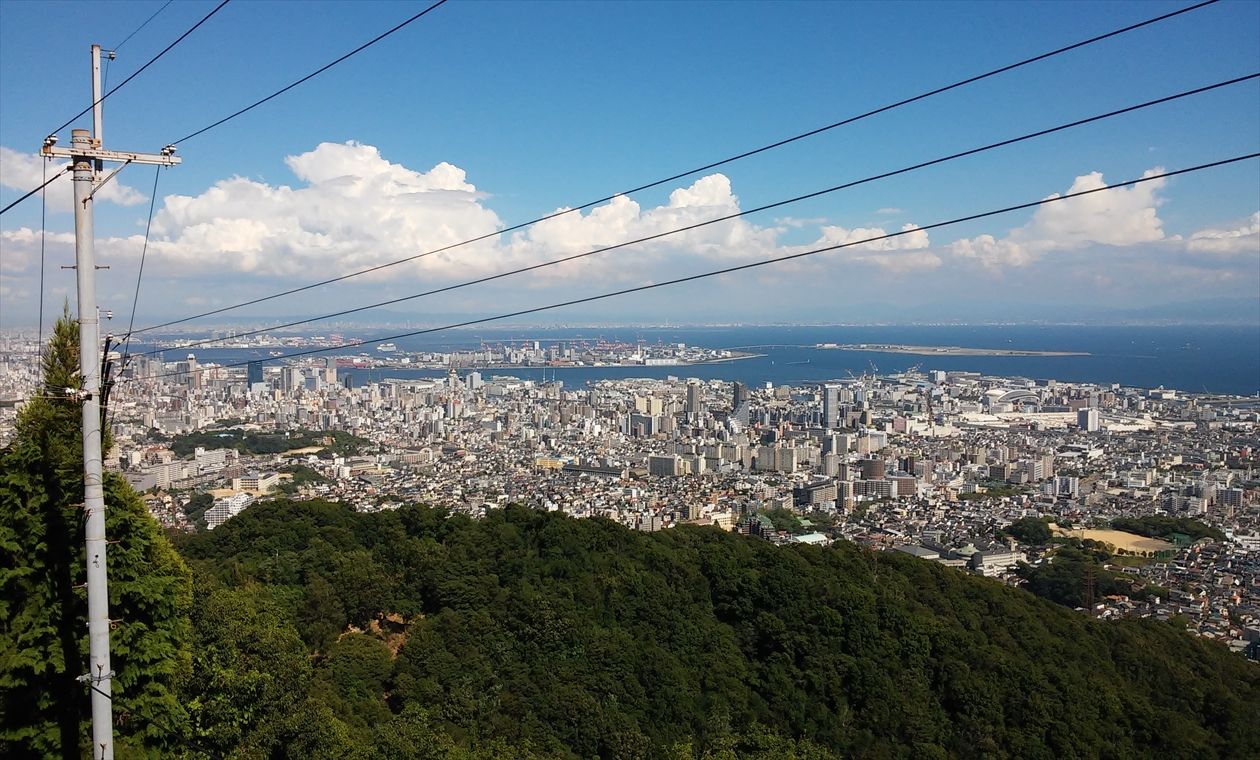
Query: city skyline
[[318, 184]]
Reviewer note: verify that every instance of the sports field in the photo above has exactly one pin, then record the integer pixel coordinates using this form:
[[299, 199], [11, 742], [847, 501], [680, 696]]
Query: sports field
[[1127, 542]]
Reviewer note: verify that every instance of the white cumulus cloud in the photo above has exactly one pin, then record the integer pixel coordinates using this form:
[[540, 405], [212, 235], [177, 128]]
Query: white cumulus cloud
[[347, 208], [622, 220], [356, 210], [911, 238], [1245, 239], [1119, 217], [904, 252], [20, 248]]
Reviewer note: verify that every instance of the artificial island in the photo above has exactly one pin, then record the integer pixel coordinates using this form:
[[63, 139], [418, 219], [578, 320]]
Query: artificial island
[[893, 348]]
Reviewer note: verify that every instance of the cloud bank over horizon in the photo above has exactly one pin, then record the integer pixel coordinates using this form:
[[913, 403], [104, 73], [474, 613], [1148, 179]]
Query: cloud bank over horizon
[[350, 208]]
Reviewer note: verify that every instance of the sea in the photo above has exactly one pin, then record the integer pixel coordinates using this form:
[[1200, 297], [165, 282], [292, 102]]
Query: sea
[[1197, 359]]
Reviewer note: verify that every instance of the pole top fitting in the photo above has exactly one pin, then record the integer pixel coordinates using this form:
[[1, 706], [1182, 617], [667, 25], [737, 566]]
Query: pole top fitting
[[83, 134], [50, 141]]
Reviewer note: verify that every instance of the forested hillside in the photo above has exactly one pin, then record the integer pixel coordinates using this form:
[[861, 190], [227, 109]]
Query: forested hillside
[[536, 633]]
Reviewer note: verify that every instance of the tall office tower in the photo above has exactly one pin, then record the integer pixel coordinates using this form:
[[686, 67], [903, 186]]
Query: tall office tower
[[330, 370], [190, 375], [740, 404], [695, 406], [291, 379], [1087, 420], [254, 373], [831, 465], [830, 405]]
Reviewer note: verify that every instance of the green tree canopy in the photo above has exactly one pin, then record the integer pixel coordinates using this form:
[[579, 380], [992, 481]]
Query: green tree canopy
[[1029, 530], [1162, 526], [533, 634], [43, 607]]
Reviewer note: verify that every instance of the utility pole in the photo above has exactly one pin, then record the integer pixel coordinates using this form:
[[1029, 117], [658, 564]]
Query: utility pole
[[88, 156]]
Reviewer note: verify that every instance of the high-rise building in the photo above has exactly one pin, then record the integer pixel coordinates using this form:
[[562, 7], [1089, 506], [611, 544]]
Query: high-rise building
[[740, 404], [1087, 420], [695, 403], [330, 370], [786, 459], [1033, 469], [651, 405], [1231, 497], [815, 493], [872, 469], [830, 406], [831, 465], [188, 369], [904, 485], [254, 372], [1065, 485], [642, 425], [666, 466], [291, 379]]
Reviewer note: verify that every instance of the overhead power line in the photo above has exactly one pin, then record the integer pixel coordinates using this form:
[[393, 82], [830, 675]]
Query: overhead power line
[[148, 226], [697, 170], [309, 76], [728, 217], [108, 367], [250, 107], [741, 267], [47, 182], [134, 32], [138, 71], [142, 25]]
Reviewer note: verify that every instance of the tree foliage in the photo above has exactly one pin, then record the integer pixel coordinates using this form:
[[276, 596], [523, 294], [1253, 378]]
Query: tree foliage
[[785, 520], [342, 443], [1029, 530], [531, 634], [43, 607], [1161, 526], [1065, 577], [302, 476]]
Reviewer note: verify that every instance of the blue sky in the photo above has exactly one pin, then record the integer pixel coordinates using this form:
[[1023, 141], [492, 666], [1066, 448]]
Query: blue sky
[[548, 105]]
